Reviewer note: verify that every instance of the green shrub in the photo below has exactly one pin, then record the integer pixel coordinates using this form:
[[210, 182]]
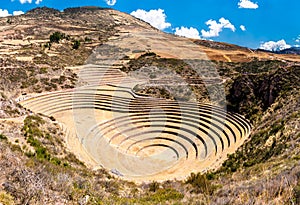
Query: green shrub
[[87, 39], [47, 45], [43, 70], [56, 161], [154, 186], [200, 183], [210, 176], [3, 137], [76, 44], [15, 148], [41, 153], [56, 37]]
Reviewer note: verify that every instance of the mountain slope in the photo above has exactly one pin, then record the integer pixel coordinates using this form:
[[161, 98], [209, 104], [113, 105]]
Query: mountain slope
[[293, 50]]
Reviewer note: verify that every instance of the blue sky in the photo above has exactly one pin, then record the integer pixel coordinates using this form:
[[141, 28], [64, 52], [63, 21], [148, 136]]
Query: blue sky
[[253, 23]]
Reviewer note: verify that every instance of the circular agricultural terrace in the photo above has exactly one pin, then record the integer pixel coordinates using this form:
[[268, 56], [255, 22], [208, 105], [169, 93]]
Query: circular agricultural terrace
[[140, 137]]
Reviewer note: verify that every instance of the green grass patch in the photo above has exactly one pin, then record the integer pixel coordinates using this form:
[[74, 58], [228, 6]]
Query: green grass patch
[[161, 196], [6, 199], [33, 133]]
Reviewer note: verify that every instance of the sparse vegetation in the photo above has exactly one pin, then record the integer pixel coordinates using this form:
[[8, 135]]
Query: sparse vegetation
[[6, 199], [34, 136], [249, 154], [76, 44], [200, 184]]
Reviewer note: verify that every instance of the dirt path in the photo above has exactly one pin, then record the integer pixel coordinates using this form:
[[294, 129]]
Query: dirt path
[[227, 58], [16, 120]]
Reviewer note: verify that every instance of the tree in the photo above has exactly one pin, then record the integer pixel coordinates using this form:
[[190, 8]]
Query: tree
[[56, 37]]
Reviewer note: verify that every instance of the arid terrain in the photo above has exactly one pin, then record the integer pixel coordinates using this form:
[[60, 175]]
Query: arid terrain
[[98, 107]]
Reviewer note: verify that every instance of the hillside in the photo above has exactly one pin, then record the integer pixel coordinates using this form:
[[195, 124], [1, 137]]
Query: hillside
[[293, 50], [98, 107]]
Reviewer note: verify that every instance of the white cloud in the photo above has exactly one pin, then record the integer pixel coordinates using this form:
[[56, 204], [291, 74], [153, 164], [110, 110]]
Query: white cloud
[[111, 2], [247, 4], [16, 13], [242, 27], [298, 39], [274, 46], [187, 32], [215, 28], [4, 13], [25, 1], [157, 18], [29, 1]]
